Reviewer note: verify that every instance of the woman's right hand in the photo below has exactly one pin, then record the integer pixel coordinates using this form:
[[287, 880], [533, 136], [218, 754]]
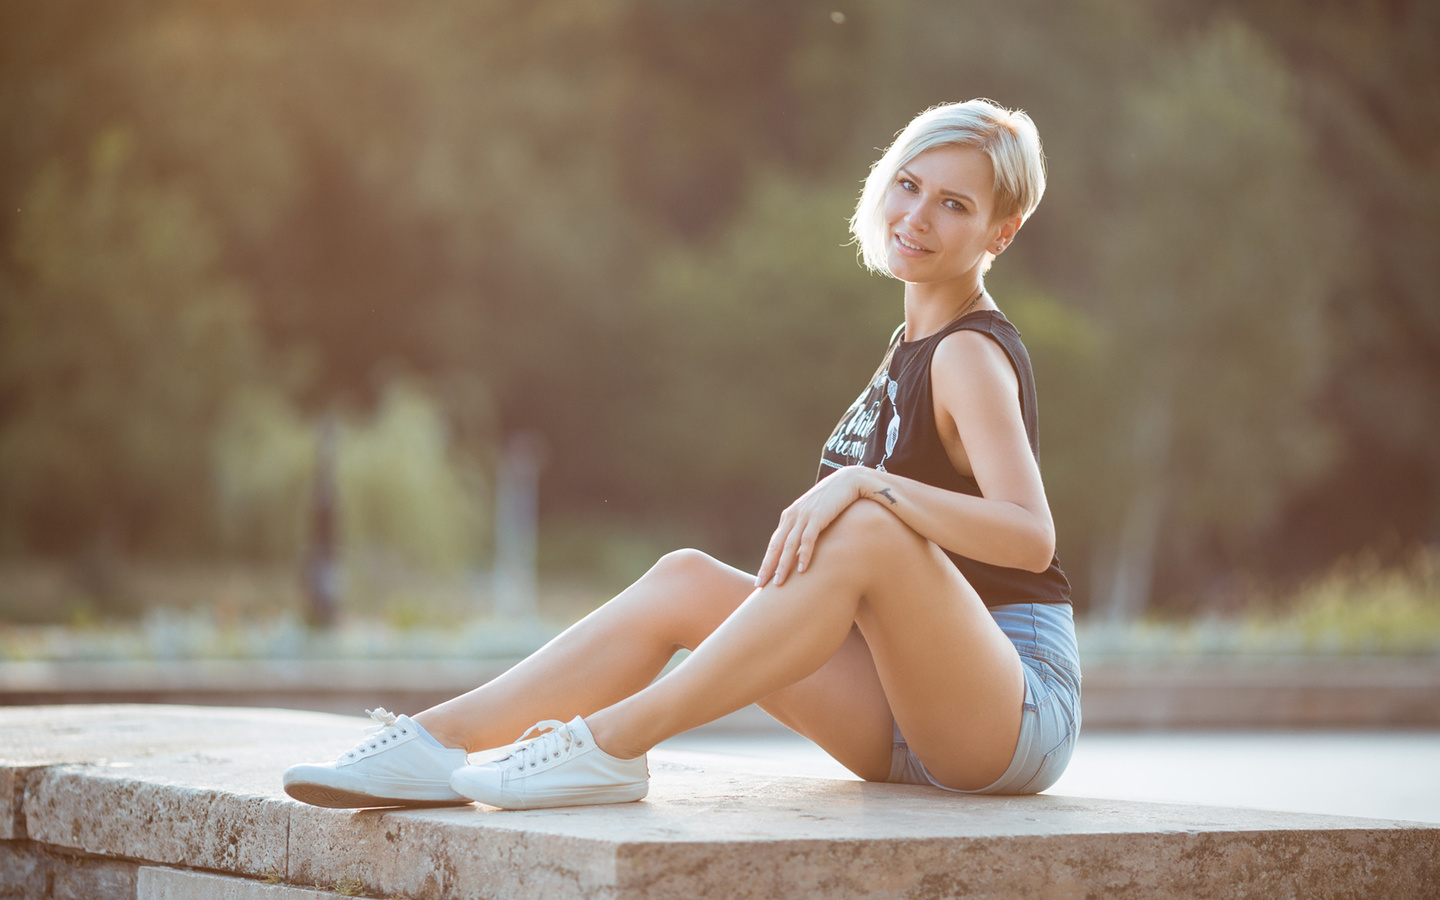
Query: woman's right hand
[[793, 543]]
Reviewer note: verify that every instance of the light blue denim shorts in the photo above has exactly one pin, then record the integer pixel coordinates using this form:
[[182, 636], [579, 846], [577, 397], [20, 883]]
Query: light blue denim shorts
[[1044, 635]]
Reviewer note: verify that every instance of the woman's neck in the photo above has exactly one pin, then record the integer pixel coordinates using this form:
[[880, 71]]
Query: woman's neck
[[930, 307]]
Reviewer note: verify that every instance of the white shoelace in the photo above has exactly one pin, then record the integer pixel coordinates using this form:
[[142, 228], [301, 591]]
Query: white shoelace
[[379, 736], [556, 742]]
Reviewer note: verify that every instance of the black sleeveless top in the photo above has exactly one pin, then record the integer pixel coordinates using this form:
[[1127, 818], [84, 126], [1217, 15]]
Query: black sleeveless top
[[891, 427]]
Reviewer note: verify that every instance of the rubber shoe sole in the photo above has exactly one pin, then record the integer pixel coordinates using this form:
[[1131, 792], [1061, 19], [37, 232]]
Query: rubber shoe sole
[[620, 793], [343, 788], [336, 798]]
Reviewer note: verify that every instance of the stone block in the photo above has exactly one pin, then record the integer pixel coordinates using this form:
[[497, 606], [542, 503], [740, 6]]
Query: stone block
[[192, 786], [1182, 866], [708, 833], [200, 789], [157, 883], [111, 812], [12, 801], [30, 871], [377, 848]]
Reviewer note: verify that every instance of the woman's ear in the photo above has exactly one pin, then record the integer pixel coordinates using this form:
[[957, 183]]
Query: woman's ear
[[1006, 234]]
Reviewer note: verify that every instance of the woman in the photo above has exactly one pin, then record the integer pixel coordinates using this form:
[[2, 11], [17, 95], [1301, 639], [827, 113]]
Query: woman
[[909, 616]]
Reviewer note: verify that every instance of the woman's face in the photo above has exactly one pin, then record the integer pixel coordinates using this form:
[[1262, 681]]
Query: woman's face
[[938, 217]]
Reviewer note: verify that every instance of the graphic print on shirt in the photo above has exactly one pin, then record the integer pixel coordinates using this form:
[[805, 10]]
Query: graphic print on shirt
[[850, 443], [892, 431]]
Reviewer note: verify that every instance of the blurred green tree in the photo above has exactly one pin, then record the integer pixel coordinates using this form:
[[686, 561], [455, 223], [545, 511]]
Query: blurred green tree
[[757, 343], [620, 224], [1218, 249], [120, 341], [406, 489], [1369, 74]]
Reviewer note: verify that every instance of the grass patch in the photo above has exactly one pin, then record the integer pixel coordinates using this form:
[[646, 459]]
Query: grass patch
[[1360, 607], [1357, 608]]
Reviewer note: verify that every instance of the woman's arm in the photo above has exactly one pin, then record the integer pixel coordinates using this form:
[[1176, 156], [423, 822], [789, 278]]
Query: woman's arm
[[977, 412]]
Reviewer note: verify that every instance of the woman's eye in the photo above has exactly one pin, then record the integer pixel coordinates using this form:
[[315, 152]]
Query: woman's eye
[[908, 185], [955, 205]]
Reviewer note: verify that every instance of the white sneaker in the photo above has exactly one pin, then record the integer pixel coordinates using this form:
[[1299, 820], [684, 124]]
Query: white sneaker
[[561, 767], [394, 766]]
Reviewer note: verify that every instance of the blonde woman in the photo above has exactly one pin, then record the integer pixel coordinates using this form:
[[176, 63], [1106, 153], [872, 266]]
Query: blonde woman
[[910, 616]]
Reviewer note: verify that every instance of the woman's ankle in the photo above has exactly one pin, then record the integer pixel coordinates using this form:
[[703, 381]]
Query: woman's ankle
[[434, 726], [610, 738]]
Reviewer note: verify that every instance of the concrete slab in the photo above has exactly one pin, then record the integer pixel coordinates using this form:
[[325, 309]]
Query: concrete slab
[[1391, 774], [55, 759], [1366, 774], [774, 836], [200, 788], [150, 813]]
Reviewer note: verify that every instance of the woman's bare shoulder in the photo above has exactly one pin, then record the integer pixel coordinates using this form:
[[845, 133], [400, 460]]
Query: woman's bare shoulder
[[967, 361]]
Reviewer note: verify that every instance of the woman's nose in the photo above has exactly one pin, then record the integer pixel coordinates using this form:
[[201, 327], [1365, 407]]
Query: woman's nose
[[915, 217]]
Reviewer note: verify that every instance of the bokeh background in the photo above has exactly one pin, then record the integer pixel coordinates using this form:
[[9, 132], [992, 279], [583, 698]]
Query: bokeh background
[[619, 226]]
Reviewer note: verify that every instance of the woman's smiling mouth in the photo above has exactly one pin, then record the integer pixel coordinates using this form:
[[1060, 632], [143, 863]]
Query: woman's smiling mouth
[[909, 245]]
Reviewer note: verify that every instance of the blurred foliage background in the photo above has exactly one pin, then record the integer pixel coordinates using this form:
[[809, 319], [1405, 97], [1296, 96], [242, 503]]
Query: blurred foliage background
[[620, 224]]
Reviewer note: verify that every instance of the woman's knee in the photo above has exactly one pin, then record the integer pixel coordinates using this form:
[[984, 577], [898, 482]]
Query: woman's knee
[[685, 566], [865, 527], [687, 594]]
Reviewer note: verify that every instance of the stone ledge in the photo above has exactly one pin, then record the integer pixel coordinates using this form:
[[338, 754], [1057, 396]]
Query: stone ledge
[[1302, 692], [1201, 692], [198, 789]]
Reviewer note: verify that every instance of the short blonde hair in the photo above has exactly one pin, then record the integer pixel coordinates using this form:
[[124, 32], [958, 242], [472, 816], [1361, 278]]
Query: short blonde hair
[[1008, 137]]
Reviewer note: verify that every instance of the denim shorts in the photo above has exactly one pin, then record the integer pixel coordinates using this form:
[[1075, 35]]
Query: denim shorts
[[1044, 635]]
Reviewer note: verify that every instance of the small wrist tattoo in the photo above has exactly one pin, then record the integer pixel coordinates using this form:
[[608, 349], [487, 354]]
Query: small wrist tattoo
[[885, 492]]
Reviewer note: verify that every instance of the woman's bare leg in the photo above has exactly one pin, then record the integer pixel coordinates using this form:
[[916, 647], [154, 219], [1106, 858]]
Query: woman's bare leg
[[602, 659], [949, 675], [841, 707], [618, 649]]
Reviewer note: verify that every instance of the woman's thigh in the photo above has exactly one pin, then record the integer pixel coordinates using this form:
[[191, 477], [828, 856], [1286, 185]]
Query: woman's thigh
[[1044, 636], [842, 707], [926, 653], [950, 677]]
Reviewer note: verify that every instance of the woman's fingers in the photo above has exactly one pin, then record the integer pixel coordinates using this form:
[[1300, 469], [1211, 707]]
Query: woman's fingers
[[792, 546], [774, 549], [787, 555], [807, 547], [767, 566]]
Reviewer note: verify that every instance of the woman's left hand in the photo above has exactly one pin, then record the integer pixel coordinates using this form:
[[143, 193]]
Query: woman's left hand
[[793, 543]]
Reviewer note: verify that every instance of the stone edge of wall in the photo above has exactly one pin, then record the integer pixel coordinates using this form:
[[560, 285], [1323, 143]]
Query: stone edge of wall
[[82, 830], [1196, 693]]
